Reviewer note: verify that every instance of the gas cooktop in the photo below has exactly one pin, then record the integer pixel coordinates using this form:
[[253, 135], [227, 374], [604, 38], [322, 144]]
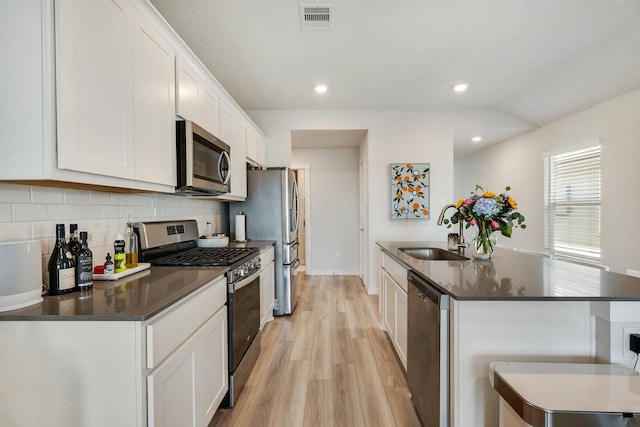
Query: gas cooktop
[[205, 257]]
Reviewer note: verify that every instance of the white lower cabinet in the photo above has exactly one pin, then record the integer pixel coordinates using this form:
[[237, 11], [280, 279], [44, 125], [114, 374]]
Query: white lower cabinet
[[393, 306], [214, 365], [170, 370], [267, 286], [187, 387], [171, 389], [187, 352]]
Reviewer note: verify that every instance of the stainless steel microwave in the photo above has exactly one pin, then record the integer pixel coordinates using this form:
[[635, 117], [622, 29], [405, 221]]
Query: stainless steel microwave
[[203, 161]]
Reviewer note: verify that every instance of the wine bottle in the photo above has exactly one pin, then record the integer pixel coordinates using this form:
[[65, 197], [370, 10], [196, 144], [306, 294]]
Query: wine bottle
[[74, 243], [84, 264], [61, 266]]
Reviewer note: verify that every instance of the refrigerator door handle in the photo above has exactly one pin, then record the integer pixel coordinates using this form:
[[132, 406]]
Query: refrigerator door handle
[[296, 201]]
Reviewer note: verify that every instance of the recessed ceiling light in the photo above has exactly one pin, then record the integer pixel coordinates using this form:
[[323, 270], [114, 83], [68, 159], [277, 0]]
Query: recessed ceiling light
[[476, 139], [321, 88], [461, 87]]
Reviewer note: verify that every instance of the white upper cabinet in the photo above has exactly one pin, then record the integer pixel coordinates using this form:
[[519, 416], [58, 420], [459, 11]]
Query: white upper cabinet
[[115, 82], [261, 151], [154, 105], [94, 85], [233, 131], [252, 144], [197, 100], [95, 90]]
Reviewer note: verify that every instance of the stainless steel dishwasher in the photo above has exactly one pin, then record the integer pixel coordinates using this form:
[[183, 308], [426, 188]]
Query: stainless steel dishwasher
[[428, 351]]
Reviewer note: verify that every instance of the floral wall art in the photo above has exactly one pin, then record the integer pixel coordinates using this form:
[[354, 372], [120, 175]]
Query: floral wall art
[[409, 190]]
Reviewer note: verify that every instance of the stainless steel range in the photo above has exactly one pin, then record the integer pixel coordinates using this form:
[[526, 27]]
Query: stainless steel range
[[174, 243]]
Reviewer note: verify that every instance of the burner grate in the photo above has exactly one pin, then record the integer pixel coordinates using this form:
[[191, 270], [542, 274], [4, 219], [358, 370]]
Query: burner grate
[[205, 257]]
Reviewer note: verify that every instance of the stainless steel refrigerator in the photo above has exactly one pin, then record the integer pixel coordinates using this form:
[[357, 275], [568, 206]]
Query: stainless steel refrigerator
[[272, 212]]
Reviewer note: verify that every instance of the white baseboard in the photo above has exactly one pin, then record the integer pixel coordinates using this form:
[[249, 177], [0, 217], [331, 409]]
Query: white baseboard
[[333, 273]]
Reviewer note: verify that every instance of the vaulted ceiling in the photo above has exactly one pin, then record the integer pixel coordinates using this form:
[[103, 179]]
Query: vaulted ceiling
[[538, 60]]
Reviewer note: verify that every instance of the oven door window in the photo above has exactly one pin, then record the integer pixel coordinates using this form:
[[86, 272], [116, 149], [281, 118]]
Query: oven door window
[[210, 163], [244, 313]]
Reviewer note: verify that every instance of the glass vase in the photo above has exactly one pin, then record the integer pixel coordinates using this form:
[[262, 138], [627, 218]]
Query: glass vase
[[484, 242]]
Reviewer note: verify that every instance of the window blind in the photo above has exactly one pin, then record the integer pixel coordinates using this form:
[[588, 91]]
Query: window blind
[[572, 203]]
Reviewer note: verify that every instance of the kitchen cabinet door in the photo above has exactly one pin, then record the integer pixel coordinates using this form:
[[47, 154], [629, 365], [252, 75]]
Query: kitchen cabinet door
[[209, 109], [154, 106], [395, 318], [197, 99], [267, 293], [402, 322], [390, 306], [252, 144], [261, 154], [233, 131], [94, 87], [213, 364], [171, 389]]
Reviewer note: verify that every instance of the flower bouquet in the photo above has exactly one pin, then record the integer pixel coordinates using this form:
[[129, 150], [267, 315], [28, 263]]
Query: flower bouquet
[[490, 212]]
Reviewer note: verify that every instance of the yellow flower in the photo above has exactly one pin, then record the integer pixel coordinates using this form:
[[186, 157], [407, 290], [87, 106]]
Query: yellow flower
[[512, 203], [489, 194], [459, 203]]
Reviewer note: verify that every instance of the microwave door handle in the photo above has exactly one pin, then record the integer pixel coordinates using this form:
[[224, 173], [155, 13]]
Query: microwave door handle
[[225, 155]]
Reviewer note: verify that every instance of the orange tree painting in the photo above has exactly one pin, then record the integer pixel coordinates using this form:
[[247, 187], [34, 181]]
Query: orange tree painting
[[409, 190]]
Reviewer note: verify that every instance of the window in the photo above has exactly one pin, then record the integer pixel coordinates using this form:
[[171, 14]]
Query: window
[[572, 195]]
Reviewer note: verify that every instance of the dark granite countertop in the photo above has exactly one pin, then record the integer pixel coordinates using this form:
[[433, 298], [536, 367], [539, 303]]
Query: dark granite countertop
[[133, 298], [512, 275]]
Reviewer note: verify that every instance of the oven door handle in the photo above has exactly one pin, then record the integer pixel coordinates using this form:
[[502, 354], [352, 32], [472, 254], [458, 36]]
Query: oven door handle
[[244, 282]]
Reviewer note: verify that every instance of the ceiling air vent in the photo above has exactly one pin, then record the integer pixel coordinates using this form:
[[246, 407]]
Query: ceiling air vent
[[316, 16]]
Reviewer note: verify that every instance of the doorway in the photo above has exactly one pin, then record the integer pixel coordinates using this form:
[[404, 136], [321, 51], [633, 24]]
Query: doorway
[[302, 178]]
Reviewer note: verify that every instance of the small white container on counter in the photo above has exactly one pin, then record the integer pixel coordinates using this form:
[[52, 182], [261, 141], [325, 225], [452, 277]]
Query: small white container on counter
[[20, 274]]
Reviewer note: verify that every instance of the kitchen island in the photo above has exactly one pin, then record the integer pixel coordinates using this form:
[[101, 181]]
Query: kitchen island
[[515, 307]]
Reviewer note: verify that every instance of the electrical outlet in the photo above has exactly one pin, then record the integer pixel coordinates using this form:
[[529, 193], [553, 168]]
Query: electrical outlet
[[634, 343], [626, 340]]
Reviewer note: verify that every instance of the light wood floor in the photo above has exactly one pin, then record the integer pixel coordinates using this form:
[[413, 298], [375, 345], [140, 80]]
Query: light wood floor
[[328, 364]]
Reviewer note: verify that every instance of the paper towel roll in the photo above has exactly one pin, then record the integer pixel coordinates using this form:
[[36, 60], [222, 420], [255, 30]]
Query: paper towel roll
[[240, 227]]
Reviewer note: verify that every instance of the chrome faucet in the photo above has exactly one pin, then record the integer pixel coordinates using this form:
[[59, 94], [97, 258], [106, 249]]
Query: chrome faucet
[[460, 244]]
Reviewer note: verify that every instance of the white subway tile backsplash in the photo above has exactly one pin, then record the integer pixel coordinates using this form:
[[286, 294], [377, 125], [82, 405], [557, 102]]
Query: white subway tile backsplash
[[15, 193], [141, 200], [30, 212], [110, 212], [15, 231], [119, 199], [47, 195], [100, 198], [43, 229], [63, 212], [76, 197], [5, 212]]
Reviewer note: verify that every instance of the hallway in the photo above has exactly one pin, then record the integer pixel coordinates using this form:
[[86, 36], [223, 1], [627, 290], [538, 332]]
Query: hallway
[[329, 364]]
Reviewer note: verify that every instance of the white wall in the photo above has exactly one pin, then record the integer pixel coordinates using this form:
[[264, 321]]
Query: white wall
[[394, 136], [519, 163], [333, 180], [32, 212]]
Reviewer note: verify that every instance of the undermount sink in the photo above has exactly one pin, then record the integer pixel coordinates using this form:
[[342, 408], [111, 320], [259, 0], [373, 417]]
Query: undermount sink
[[433, 254]]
